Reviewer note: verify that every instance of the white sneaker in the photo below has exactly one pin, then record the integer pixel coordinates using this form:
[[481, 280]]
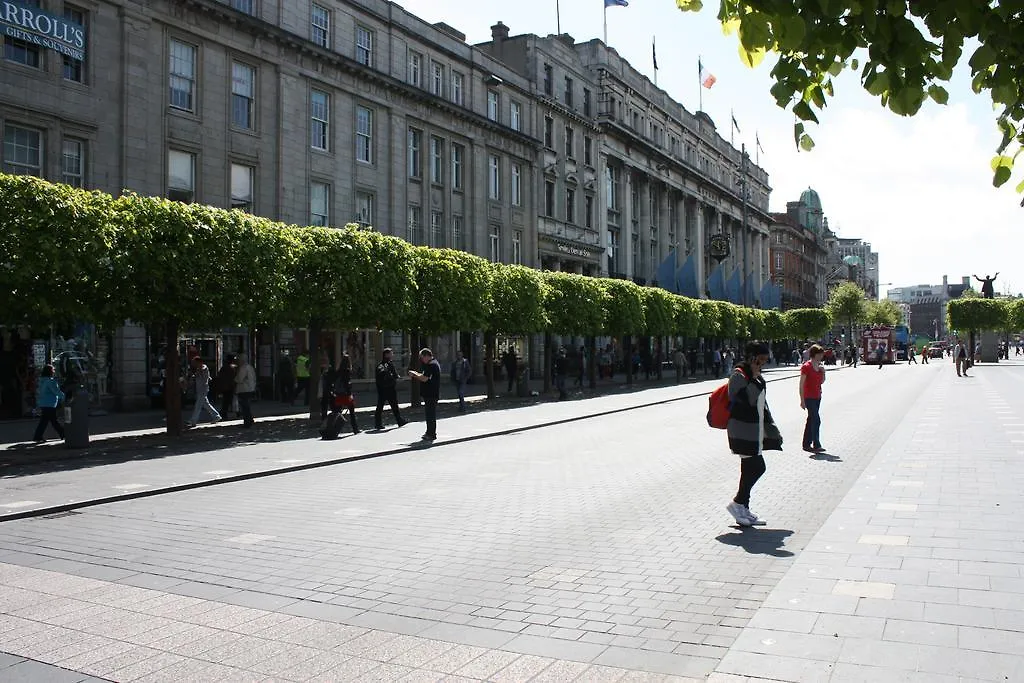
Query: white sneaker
[[739, 513], [754, 519]]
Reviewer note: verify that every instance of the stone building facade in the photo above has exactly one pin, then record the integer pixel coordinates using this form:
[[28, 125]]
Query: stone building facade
[[802, 253], [631, 184], [525, 149], [322, 112]]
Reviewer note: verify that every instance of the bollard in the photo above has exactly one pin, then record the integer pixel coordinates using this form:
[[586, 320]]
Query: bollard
[[76, 431]]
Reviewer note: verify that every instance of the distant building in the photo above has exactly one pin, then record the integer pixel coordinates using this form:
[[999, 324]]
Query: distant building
[[865, 273], [927, 304], [801, 244]]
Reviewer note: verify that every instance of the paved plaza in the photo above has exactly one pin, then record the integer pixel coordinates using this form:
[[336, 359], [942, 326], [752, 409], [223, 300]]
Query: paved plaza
[[583, 540]]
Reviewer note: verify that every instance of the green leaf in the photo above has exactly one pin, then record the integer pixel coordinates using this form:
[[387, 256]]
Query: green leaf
[[938, 93], [806, 143], [804, 112], [1001, 175], [690, 5], [752, 58]]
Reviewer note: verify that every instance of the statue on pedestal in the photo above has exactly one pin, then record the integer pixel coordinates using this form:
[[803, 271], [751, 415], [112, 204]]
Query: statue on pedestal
[[987, 290]]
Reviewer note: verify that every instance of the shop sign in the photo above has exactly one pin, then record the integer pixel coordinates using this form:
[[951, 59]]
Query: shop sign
[[571, 249], [575, 251], [34, 26]]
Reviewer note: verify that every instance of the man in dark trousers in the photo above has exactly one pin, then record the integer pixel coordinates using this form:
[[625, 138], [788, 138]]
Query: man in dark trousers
[[387, 390], [431, 391], [511, 365]]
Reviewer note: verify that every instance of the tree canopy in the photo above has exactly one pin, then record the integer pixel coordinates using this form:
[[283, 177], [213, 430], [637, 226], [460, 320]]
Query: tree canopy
[[976, 314], [807, 323], [846, 303], [902, 51], [885, 312]]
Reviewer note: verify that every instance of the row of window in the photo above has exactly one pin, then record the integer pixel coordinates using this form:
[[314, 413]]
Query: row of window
[[30, 54], [568, 90], [569, 140], [23, 154], [181, 184], [442, 234], [570, 201]]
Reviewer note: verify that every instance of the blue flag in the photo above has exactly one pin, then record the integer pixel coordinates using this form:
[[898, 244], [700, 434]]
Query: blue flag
[[616, 3]]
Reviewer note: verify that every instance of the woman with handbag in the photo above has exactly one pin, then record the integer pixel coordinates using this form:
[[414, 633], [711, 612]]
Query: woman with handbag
[[343, 397], [751, 429]]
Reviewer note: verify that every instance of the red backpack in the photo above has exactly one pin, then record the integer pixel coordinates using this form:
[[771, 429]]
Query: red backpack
[[720, 407]]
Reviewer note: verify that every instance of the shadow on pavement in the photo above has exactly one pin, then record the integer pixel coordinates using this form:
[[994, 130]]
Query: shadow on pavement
[[758, 541], [825, 457], [28, 459]]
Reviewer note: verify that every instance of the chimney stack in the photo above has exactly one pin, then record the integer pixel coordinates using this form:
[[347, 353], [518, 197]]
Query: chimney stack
[[499, 34]]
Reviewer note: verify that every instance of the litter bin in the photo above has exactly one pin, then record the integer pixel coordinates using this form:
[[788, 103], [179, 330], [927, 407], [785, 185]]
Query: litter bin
[[76, 419]]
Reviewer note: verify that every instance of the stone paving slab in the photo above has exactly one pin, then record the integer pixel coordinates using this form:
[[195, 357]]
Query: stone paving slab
[[918, 574], [31, 487], [254, 646], [597, 543]]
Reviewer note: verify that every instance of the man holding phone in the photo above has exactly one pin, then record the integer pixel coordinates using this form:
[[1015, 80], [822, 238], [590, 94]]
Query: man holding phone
[[430, 377]]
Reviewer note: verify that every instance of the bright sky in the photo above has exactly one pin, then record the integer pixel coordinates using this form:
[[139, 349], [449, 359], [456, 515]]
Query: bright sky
[[919, 189]]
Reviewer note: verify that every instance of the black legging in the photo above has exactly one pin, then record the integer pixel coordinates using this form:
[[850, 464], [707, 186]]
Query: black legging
[[751, 469]]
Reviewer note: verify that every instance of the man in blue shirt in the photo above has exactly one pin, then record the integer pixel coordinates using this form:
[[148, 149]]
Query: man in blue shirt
[[430, 377]]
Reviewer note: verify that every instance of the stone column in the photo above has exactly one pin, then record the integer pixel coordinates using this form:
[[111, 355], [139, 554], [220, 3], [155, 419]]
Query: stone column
[[644, 229], [626, 229]]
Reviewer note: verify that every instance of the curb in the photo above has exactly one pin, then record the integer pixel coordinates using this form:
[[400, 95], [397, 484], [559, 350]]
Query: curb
[[78, 505]]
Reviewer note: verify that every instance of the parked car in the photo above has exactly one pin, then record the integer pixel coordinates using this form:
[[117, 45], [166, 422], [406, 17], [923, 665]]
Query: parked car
[[936, 350]]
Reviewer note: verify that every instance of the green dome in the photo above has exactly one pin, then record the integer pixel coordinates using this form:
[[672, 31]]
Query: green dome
[[811, 199], [811, 216]]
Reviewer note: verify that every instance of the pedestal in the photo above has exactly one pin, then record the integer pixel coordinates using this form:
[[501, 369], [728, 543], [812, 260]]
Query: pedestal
[[989, 347]]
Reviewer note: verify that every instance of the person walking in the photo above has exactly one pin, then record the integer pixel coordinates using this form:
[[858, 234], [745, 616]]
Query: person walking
[[560, 368], [925, 352], [430, 377], [48, 397], [678, 358], [302, 376], [327, 376], [286, 378], [460, 377], [387, 390], [201, 376], [812, 376], [960, 359], [581, 367], [751, 429], [342, 391], [245, 389], [225, 384], [511, 364]]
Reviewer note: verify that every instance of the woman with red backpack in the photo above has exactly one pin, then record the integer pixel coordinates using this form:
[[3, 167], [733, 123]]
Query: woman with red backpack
[[751, 429]]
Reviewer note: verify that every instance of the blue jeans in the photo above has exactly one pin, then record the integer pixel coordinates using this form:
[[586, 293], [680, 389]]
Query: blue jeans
[[812, 430], [462, 394]]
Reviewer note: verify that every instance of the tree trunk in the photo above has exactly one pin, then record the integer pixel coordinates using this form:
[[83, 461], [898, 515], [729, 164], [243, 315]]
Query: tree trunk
[[592, 365], [548, 365], [172, 387], [316, 373], [627, 347], [489, 363], [970, 349], [415, 344]]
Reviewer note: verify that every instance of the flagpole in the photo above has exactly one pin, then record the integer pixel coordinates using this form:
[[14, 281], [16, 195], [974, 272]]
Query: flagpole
[[700, 88], [732, 127], [606, 23], [654, 58], [558, 18], [757, 149]]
